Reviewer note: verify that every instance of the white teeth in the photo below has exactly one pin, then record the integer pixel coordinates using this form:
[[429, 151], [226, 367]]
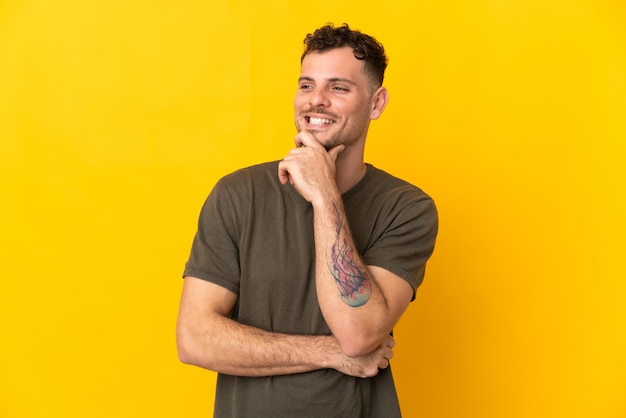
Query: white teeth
[[319, 121]]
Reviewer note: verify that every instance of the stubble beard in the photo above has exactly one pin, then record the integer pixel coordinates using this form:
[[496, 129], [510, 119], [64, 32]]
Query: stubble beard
[[344, 137]]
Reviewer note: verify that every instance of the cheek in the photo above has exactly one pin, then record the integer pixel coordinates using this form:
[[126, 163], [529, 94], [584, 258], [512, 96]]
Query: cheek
[[299, 101], [358, 113]]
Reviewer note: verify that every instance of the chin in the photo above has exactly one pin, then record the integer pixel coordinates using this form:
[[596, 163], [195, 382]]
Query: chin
[[332, 145], [329, 143]]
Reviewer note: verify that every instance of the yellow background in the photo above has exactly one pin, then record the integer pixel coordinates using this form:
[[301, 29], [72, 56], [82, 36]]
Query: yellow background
[[117, 117]]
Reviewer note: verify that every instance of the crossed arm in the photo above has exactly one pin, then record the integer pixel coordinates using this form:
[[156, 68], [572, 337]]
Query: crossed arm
[[360, 303], [208, 338]]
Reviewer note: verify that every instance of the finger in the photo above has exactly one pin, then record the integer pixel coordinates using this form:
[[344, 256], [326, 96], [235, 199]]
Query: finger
[[307, 139], [383, 364], [283, 174], [334, 151]]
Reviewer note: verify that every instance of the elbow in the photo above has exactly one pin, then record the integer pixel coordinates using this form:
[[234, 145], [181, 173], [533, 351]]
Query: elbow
[[190, 354], [189, 351], [197, 345], [185, 352], [355, 346], [184, 356]]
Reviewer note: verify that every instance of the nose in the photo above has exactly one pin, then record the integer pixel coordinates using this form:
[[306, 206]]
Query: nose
[[319, 98]]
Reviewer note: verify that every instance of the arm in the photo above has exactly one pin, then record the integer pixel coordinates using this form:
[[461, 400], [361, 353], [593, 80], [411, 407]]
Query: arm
[[361, 304], [208, 338]]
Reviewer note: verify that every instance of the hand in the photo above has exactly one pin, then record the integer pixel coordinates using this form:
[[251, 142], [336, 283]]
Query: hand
[[370, 364], [310, 168]]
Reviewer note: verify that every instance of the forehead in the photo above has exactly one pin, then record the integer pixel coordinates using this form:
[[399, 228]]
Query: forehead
[[332, 64]]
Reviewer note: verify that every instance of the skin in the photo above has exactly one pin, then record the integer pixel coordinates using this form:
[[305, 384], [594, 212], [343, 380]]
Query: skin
[[328, 161], [360, 303], [208, 338]]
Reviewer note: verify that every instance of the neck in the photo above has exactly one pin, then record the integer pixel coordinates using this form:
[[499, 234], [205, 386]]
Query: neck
[[350, 170]]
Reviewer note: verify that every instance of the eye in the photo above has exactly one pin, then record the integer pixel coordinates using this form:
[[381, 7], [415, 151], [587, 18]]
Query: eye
[[340, 89], [305, 86]]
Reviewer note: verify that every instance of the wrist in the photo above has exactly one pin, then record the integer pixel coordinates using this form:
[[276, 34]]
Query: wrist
[[329, 352], [327, 200]]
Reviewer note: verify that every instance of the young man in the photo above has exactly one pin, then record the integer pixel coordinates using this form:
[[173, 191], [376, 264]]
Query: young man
[[300, 268]]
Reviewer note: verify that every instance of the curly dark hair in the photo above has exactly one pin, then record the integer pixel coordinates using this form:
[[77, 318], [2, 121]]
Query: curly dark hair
[[365, 48]]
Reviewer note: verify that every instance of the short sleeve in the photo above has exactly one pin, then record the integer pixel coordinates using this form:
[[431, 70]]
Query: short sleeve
[[407, 241], [214, 253]]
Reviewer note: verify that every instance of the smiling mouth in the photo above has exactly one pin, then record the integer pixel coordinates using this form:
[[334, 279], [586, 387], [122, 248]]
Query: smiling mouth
[[318, 121]]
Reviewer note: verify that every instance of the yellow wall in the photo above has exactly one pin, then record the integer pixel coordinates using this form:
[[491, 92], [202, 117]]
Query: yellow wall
[[117, 117]]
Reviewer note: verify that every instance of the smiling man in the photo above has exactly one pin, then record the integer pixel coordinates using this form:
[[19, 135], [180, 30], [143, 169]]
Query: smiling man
[[300, 268]]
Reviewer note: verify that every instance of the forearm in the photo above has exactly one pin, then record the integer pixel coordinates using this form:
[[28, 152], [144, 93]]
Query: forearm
[[359, 312], [350, 299], [226, 346]]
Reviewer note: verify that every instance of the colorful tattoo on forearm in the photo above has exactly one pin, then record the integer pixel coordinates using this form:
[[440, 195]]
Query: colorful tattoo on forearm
[[347, 270]]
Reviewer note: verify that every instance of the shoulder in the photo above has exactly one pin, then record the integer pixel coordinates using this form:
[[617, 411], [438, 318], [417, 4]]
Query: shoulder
[[397, 200], [255, 173], [386, 186], [246, 180], [239, 187]]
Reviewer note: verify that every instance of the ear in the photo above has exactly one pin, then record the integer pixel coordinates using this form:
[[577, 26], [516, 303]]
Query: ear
[[381, 97]]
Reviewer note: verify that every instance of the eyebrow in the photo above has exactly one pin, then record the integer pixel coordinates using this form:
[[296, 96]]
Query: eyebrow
[[332, 80]]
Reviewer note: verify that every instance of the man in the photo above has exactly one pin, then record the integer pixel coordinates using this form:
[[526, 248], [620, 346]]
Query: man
[[301, 268]]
